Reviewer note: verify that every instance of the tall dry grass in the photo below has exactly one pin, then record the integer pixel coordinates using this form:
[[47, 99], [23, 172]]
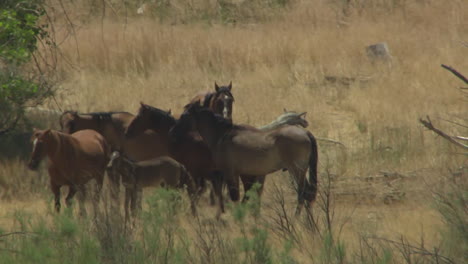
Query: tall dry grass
[[286, 56]]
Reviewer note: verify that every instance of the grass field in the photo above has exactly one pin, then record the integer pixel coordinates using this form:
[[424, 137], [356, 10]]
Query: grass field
[[383, 197]]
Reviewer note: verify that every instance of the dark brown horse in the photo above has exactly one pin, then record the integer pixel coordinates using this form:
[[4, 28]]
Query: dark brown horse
[[73, 160], [241, 149], [188, 149], [220, 101], [112, 126]]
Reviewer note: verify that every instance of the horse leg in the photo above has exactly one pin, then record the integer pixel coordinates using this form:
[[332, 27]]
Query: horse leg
[[248, 181], [232, 181], [56, 190], [97, 194], [71, 194], [128, 196], [217, 182], [114, 178], [191, 190], [212, 197], [81, 199]]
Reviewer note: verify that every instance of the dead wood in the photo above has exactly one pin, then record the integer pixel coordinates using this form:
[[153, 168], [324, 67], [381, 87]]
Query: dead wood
[[455, 72], [428, 124]]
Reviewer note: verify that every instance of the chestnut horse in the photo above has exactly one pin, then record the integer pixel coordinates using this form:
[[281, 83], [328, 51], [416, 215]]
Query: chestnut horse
[[112, 126], [189, 149], [241, 149], [73, 160], [220, 101]]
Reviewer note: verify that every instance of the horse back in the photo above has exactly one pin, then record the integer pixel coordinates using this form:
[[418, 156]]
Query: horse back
[[162, 170], [90, 143]]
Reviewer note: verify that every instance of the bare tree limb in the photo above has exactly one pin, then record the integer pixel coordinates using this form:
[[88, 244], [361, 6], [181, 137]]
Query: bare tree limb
[[462, 138], [455, 72], [330, 141], [428, 124]]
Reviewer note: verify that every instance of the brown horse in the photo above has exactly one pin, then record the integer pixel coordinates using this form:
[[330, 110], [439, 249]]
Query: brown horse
[[158, 172], [112, 126], [220, 101], [241, 149], [188, 149], [73, 160]]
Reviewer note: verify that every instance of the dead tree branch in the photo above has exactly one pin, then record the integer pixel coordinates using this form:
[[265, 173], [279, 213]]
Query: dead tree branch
[[428, 124], [455, 72]]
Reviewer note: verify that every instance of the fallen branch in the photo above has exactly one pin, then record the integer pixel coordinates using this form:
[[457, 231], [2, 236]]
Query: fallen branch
[[330, 141], [428, 124], [455, 72]]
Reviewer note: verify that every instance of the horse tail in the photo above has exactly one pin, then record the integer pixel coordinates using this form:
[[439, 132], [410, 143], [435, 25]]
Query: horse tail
[[311, 186]]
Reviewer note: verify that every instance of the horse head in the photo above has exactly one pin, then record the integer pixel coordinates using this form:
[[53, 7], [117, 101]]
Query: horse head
[[210, 125], [39, 139], [149, 117], [68, 121], [221, 101], [293, 118]]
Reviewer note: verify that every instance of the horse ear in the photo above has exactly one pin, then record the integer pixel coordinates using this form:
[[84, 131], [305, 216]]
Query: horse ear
[[47, 132], [216, 87], [303, 114], [169, 112], [143, 105], [230, 86], [284, 109]]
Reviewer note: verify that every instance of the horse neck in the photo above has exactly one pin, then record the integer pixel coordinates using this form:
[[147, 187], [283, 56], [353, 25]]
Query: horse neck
[[273, 125], [162, 129], [57, 145], [217, 134], [279, 122]]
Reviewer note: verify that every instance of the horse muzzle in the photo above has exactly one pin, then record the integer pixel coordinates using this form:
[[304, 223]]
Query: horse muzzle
[[33, 164]]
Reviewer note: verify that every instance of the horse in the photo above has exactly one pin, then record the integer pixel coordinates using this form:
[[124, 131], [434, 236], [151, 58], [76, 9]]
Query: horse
[[158, 172], [220, 101], [188, 149], [112, 126], [242, 149], [288, 118], [73, 160]]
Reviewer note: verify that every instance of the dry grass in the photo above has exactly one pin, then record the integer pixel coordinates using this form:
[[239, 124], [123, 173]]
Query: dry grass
[[283, 61]]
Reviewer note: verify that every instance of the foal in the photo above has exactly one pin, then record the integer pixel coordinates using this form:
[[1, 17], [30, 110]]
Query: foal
[[73, 160], [159, 172]]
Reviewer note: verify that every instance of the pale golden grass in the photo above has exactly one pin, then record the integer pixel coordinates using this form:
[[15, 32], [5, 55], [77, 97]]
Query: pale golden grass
[[283, 64]]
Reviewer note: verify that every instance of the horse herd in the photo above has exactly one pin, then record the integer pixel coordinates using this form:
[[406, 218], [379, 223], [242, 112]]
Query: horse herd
[[154, 148]]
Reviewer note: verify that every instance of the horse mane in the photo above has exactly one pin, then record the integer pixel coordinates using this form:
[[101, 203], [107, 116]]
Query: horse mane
[[103, 116], [219, 119], [100, 116], [63, 143], [156, 112], [207, 99]]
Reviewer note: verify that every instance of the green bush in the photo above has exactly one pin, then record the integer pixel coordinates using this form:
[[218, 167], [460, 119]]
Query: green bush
[[23, 78]]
